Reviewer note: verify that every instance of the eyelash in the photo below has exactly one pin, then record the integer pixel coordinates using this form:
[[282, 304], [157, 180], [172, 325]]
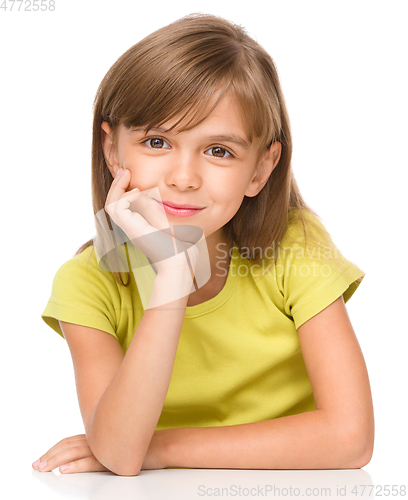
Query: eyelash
[[230, 155]]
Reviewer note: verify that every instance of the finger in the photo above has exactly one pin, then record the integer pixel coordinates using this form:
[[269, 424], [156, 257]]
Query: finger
[[65, 443], [118, 186], [88, 464], [65, 456], [123, 203], [132, 192]]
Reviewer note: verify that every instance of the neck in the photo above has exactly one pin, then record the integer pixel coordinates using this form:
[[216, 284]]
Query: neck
[[219, 252]]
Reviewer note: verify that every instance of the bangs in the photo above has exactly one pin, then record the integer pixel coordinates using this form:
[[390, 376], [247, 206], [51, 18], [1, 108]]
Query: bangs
[[191, 105], [181, 85], [175, 74]]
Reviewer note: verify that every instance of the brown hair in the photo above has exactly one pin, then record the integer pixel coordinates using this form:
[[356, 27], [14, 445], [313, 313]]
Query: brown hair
[[180, 67]]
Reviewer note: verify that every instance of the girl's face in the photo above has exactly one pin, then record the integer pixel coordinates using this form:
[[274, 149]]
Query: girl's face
[[212, 166]]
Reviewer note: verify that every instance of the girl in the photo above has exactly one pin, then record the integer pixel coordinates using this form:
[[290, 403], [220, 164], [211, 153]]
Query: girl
[[255, 367]]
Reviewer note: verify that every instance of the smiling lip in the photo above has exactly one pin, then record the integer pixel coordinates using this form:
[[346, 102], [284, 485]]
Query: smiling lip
[[175, 205], [179, 212]]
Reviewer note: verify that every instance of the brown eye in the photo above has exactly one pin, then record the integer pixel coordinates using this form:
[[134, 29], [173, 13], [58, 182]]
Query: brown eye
[[219, 152], [157, 143]]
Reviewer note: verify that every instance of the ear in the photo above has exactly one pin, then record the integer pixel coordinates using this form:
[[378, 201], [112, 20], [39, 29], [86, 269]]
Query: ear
[[267, 162], [109, 148]]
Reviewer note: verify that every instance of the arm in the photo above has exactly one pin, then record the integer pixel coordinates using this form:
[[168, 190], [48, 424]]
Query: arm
[[121, 399], [125, 418], [339, 434]]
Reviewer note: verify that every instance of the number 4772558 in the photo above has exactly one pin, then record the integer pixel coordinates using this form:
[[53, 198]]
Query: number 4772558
[[28, 5], [379, 490]]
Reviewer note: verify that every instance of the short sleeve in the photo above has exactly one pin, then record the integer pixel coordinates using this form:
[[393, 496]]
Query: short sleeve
[[82, 294], [310, 277]]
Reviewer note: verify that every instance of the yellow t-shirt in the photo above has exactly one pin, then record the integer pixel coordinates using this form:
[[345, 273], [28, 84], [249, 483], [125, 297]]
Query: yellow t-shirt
[[238, 358]]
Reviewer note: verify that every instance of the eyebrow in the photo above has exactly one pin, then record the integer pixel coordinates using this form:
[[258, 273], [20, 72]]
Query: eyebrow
[[235, 139]]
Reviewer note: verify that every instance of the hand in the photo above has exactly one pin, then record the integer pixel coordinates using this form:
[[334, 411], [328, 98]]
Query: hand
[[154, 239], [75, 452]]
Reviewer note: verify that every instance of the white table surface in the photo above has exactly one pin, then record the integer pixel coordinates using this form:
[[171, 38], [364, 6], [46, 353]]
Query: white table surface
[[189, 484]]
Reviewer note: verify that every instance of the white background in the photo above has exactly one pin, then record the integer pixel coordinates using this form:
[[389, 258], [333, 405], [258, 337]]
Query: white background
[[342, 66]]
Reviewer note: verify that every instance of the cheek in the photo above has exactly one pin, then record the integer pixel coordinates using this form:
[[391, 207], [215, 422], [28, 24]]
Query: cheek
[[145, 178], [146, 169], [141, 175], [231, 191], [126, 156], [234, 206]]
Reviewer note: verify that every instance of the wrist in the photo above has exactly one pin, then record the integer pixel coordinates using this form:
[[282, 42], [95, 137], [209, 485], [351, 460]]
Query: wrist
[[162, 446], [180, 279], [169, 292]]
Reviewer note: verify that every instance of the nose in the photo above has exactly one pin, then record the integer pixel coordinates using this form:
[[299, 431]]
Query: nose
[[183, 172]]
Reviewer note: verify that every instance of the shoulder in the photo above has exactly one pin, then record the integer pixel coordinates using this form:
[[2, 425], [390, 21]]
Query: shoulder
[[82, 271], [305, 228], [83, 294], [306, 242], [307, 270]]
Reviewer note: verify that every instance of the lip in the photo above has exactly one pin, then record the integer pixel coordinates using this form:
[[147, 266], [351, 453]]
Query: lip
[[178, 206], [180, 212]]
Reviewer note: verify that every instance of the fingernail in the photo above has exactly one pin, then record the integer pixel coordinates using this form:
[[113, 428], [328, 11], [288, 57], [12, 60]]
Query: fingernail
[[43, 465], [36, 463], [65, 467], [120, 172]]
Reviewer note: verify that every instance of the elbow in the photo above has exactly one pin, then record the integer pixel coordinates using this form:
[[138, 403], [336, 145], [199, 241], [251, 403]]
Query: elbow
[[362, 453], [126, 472], [118, 468], [363, 459], [109, 459], [126, 469], [358, 445]]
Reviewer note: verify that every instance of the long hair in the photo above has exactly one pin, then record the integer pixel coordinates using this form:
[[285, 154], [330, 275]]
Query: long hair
[[174, 72]]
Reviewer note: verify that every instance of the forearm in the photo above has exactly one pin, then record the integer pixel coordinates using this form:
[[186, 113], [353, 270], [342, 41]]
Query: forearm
[[126, 415], [308, 440]]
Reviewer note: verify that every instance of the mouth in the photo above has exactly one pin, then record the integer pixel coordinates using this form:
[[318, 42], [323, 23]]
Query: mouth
[[180, 210], [181, 206]]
